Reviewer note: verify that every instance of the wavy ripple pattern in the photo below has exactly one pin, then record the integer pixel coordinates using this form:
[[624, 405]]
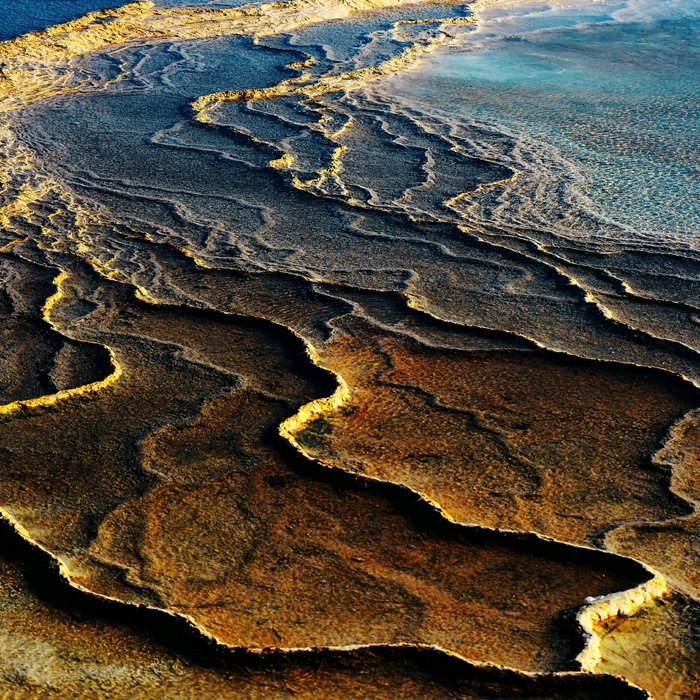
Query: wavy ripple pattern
[[286, 376]]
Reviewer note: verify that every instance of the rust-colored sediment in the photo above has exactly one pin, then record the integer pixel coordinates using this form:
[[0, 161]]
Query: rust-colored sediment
[[277, 559], [672, 546], [530, 441], [60, 643], [141, 449]]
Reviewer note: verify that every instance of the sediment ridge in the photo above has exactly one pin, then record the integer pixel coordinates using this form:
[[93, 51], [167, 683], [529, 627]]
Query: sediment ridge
[[217, 345]]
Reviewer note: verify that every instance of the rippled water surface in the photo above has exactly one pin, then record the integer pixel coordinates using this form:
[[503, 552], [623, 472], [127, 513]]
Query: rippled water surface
[[618, 98]]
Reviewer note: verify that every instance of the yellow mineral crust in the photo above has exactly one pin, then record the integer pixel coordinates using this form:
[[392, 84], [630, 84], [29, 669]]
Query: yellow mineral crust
[[284, 161], [51, 399], [380, 366], [484, 187], [657, 648], [346, 81], [21, 206], [37, 64], [623, 603]]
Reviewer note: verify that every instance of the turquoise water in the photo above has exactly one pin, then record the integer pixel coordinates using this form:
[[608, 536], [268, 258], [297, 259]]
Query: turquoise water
[[612, 87], [614, 91]]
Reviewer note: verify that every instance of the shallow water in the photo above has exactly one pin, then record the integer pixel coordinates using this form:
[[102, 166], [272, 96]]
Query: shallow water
[[337, 327], [616, 98]]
